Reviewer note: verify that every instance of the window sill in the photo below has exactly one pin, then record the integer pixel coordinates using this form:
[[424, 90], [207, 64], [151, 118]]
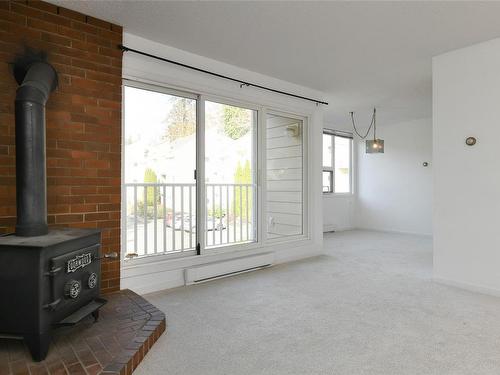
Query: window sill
[[215, 254]]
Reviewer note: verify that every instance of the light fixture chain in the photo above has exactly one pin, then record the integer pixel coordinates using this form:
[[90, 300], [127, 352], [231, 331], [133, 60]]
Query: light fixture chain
[[369, 128]]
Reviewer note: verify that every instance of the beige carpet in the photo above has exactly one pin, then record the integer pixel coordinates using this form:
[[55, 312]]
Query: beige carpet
[[369, 306]]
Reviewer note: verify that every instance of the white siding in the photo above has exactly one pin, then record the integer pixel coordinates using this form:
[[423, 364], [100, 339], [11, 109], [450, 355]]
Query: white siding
[[284, 152], [295, 197], [284, 177]]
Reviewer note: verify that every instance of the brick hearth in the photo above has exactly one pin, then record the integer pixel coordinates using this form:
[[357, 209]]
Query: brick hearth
[[127, 328]]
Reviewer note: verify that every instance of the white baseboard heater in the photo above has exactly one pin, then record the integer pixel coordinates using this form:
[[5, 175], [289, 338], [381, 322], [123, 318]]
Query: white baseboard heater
[[217, 270]]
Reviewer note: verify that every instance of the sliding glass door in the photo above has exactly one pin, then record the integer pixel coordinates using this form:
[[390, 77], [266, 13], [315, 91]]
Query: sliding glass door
[[230, 174], [167, 144], [159, 188], [190, 174]]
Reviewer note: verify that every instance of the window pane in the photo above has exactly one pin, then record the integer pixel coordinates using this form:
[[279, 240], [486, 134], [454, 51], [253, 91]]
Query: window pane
[[342, 165], [284, 206], [327, 150], [230, 174], [159, 185], [327, 181]]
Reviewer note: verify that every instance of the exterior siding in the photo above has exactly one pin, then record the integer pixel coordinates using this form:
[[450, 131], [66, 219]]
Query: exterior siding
[[284, 173]]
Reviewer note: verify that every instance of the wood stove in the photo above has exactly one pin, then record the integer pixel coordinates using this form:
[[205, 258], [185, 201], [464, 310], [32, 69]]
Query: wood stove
[[47, 278], [48, 281]]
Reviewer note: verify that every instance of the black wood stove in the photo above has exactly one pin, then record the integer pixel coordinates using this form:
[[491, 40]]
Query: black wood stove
[[47, 278], [48, 281]]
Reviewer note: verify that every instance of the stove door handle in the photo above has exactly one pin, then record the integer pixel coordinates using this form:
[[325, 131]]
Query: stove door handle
[[113, 255], [53, 271], [53, 305]]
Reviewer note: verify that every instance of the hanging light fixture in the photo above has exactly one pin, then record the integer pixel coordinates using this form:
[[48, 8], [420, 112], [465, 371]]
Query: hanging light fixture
[[375, 145]]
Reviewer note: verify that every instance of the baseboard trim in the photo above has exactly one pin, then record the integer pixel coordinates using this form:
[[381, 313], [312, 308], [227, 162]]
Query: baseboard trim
[[294, 254], [334, 228], [468, 287], [393, 231]]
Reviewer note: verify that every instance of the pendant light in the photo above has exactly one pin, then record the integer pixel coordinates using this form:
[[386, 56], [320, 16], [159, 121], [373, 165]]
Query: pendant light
[[375, 145]]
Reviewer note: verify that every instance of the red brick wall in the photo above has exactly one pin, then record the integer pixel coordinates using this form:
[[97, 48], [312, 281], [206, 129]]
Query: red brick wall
[[83, 119]]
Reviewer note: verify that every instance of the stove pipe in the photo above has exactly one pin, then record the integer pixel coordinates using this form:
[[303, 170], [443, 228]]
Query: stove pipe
[[37, 79]]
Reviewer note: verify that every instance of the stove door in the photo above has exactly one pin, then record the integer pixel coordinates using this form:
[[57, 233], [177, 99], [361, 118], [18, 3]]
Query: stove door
[[75, 280]]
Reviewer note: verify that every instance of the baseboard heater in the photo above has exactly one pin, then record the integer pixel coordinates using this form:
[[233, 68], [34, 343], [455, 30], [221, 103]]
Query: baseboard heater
[[217, 270]]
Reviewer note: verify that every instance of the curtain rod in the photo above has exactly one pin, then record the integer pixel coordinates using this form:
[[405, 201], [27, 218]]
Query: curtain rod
[[242, 83]]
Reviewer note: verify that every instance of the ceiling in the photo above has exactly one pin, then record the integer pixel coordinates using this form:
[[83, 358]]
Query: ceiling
[[361, 54]]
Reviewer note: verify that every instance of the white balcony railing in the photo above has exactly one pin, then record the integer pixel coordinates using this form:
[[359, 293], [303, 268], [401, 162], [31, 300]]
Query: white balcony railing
[[160, 218]]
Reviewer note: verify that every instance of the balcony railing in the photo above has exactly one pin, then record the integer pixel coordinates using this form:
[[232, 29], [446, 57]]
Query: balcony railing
[[160, 218]]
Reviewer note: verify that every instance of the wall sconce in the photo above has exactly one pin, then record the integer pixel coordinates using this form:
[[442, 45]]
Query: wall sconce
[[270, 222], [292, 130]]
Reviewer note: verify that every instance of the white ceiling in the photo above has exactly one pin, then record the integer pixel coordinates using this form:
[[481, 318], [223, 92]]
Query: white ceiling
[[361, 54]]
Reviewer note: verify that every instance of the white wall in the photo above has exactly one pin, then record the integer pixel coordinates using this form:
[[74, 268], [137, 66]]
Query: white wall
[[466, 102], [394, 190], [338, 212], [144, 275]]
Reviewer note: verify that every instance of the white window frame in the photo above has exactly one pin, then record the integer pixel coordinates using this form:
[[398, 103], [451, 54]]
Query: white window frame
[[246, 245], [123, 240], [332, 162], [333, 134], [244, 248]]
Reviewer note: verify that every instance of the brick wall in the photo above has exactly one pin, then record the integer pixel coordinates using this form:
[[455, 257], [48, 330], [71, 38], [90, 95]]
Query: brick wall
[[83, 119]]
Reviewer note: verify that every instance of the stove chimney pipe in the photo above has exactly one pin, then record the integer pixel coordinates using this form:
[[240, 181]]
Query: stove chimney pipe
[[37, 79]]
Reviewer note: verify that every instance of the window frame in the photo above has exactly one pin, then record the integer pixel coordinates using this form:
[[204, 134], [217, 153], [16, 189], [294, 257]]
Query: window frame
[[327, 169], [330, 187], [257, 152], [261, 242], [331, 170]]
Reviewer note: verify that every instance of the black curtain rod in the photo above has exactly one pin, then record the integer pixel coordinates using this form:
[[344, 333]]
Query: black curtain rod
[[242, 83]]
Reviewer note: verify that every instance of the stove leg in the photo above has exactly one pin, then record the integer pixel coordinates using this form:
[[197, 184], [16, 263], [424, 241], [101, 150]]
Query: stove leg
[[95, 315], [38, 345]]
